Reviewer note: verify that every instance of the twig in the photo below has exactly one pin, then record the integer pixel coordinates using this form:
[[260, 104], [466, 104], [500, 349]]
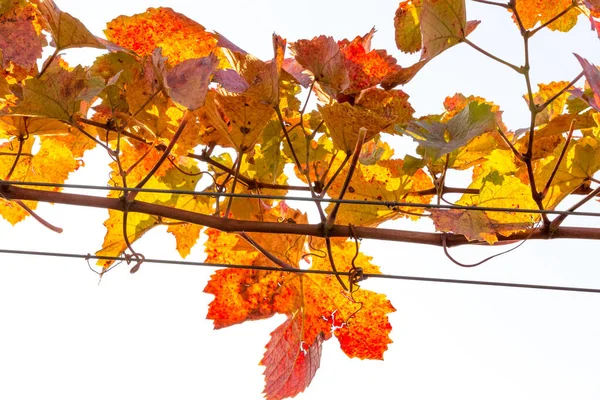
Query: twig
[[287, 138]]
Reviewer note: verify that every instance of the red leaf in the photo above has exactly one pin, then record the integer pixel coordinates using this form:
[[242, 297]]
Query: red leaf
[[290, 363]]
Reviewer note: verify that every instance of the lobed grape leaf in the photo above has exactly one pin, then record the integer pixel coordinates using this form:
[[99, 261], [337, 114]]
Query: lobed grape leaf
[[437, 138], [532, 12], [443, 23], [179, 37]]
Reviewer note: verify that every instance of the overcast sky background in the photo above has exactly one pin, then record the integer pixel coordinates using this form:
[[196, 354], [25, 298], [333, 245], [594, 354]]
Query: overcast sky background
[[145, 336]]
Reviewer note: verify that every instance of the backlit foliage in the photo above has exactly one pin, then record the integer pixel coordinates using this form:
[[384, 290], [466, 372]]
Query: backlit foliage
[[180, 108]]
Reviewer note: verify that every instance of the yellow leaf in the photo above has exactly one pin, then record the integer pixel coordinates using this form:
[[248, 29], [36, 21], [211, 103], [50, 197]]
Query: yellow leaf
[[240, 119]]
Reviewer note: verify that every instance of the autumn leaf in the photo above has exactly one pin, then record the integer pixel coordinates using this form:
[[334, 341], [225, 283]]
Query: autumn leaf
[[474, 225], [437, 138], [188, 81], [344, 122], [21, 39], [238, 119], [323, 58], [532, 12], [391, 104], [51, 163], [179, 37], [67, 31], [366, 68], [546, 92], [60, 93], [593, 77], [581, 162], [265, 85], [290, 363], [443, 24], [506, 192], [408, 26], [384, 181]]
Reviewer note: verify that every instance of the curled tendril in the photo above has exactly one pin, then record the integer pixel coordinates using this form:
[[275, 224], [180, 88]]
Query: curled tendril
[[314, 251], [447, 253], [356, 274]]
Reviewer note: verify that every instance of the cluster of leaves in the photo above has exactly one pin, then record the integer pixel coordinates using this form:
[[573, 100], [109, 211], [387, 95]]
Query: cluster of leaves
[[175, 105]]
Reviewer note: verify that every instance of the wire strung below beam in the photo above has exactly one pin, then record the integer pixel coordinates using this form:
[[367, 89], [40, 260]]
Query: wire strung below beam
[[388, 204], [301, 271]]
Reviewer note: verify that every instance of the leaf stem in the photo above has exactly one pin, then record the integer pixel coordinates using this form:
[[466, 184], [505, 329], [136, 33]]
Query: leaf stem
[[542, 107], [493, 57], [265, 252], [288, 140], [102, 144], [333, 215], [551, 20], [516, 152], [186, 117], [336, 173], [492, 3], [238, 164], [17, 157], [332, 262], [558, 220], [47, 63], [560, 158]]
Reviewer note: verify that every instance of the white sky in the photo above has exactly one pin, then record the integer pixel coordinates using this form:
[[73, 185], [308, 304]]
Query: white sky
[[145, 336]]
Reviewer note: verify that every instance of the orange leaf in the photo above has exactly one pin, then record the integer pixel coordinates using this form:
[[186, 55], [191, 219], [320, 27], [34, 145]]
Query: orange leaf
[[179, 37], [366, 67], [532, 12], [238, 119], [323, 58], [344, 121]]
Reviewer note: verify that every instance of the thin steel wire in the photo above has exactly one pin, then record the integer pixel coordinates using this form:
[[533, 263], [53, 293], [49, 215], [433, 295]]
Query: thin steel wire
[[301, 271], [388, 204]]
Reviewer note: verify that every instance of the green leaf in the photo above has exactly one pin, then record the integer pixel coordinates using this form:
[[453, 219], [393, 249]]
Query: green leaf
[[59, 93], [437, 139]]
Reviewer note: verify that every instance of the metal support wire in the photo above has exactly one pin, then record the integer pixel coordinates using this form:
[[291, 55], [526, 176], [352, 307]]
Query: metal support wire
[[302, 271]]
